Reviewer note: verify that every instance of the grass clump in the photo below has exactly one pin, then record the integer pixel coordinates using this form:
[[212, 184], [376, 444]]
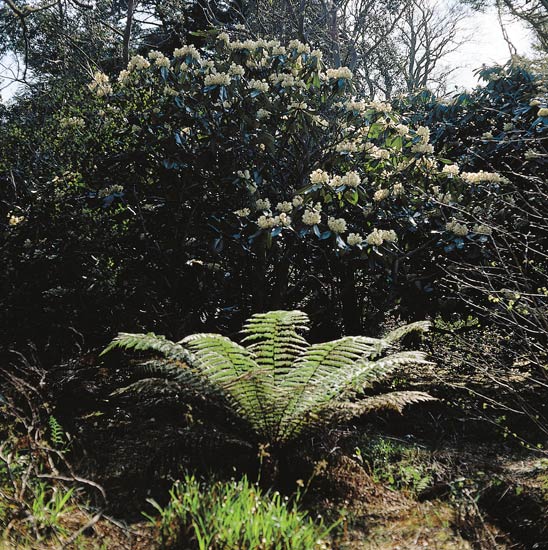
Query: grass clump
[[237, 515]]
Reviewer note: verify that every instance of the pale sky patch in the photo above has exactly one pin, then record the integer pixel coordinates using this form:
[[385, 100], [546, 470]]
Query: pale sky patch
[[487, 46]]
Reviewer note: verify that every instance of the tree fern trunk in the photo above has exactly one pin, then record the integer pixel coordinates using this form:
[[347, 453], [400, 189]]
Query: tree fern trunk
[[270, 469], [258, 281], [281, 280], [351, 311]]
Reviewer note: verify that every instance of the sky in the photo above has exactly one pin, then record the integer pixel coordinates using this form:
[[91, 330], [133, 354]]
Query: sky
[[487, 46]]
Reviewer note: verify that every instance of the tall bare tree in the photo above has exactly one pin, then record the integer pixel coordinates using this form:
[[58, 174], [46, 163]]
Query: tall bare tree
[[430, 30]]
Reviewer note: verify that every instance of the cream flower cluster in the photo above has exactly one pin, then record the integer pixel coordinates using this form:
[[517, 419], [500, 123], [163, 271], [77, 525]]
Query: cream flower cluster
[[319, 176], [543, 111], [124, 76], [379, 236], [481, 176], [354, 239], [158, 58], [286, 80], [359, 106], [262, 204], [377, 152], [299, 46], [187, 51], [451, 169], [351, 179], [236, 70], [347, 147], [424, 133], [100, 84], [380, 195], [258, 85], [402, 129], [380, 106], [217, 79], [137, 63], [297, 201], [14, 220], [243, 212], [398, 190], [312, 216], [278, 50], [459, 229], [268, 222], [422, 148], [337, 225], [341, 72], [284, 207], [250, 45]]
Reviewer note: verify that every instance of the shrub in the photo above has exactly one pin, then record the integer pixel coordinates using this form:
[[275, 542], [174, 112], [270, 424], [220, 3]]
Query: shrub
[[275, 188], [502, 127]]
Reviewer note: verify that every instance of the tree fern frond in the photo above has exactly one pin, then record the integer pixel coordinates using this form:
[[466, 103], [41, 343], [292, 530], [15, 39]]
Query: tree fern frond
[[334, 384], [232, 368], [373, 371], [181, 374], [274, 341], [147, 386], [400, 332], [396, 401], [149, 342], [318, 370]]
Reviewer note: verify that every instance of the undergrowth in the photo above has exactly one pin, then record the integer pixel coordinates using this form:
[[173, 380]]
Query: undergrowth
[[236, 515]]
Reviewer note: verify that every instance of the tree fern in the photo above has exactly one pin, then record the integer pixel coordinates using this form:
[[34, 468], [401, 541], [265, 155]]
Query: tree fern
[[274, 381]]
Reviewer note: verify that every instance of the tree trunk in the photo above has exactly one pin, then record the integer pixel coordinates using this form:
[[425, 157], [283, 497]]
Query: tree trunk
[[127, 31]]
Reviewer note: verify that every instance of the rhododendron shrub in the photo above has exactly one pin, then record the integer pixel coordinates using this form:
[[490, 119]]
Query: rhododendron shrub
[[251, 159], [502, 127], [238, 177]]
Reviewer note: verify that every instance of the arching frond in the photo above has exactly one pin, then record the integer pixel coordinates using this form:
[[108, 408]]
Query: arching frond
[[400, 332], [396, 401], [274, 341], [149, 342], [232, 368], [183, 375], [372, 371], [317, 375], [334, 382]]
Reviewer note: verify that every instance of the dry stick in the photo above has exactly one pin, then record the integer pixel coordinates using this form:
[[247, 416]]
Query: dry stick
[[89, 524]]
